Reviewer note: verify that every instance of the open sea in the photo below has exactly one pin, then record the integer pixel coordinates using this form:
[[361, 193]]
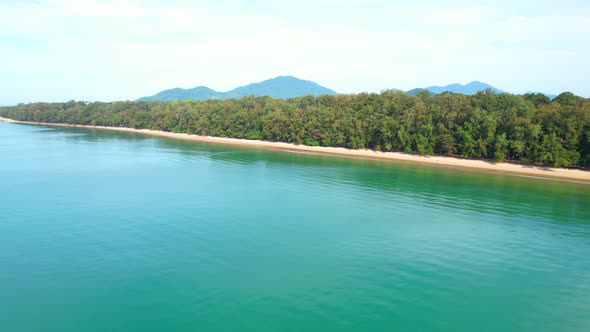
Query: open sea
[[111, 231]]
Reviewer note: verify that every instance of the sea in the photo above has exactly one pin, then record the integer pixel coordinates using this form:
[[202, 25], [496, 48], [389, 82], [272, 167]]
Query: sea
[[113, 231]]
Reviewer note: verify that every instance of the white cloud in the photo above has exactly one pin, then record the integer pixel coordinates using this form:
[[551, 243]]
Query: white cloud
[[95, 8], [125, 49], [557, 28]]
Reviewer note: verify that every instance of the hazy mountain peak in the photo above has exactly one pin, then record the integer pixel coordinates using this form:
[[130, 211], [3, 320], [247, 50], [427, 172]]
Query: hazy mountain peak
[[281, 87], [470, 88]]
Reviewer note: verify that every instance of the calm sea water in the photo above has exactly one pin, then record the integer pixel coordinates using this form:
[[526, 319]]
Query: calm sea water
[[106, 231]]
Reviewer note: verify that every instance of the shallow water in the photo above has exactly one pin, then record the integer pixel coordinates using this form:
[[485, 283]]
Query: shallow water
[[109, 231]]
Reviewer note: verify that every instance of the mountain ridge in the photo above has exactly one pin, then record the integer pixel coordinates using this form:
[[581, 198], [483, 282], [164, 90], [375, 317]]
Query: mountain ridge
[[470, 88], [285, 87], [281, 87]]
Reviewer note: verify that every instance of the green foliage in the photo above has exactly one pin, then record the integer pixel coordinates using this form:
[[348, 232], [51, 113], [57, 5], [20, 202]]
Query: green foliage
[[254, 134], [500, 148], [566, 98], [311, 142], [527, 128], [537, 98]]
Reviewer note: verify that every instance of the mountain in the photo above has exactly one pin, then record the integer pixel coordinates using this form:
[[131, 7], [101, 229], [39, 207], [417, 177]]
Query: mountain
[[467, 89], [550, 96], [198, 93], [282, 87], [413, 92]]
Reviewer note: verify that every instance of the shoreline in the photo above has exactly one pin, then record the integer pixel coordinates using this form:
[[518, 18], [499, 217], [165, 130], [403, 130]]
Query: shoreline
[[572, 175]]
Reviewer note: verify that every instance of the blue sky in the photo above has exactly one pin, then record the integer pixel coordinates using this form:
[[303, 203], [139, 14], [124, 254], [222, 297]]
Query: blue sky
[[57, 50]]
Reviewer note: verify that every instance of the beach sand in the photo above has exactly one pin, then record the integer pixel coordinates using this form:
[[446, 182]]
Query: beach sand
[[573, 175]]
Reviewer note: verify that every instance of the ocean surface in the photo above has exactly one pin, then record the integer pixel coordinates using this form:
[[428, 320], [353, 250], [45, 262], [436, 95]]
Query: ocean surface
[[109, 231]]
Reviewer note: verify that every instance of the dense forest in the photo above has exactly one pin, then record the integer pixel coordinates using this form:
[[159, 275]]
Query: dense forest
[[527, 128]]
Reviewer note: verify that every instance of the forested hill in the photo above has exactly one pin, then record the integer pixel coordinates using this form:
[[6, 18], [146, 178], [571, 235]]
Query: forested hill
[[467, 89], [528, 128], [281, 87]]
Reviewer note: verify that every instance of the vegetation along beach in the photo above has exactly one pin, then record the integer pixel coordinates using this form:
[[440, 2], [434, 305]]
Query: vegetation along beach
[[534, 133]]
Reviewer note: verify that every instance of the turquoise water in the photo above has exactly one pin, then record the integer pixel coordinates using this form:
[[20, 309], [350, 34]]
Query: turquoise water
[[108, 231]]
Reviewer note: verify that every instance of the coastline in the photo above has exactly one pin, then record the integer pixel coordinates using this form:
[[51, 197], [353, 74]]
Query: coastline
[[572, 175]]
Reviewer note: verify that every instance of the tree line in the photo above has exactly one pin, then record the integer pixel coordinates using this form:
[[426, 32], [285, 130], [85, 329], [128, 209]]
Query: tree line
[[528, 128]]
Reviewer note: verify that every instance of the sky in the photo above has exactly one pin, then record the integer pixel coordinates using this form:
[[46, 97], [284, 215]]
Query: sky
[[59, 50]]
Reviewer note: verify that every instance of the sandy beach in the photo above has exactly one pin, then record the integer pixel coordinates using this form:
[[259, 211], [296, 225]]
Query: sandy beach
[[573, 175]]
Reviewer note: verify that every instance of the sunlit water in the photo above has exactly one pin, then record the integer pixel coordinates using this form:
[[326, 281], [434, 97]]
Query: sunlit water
[[108, 231]]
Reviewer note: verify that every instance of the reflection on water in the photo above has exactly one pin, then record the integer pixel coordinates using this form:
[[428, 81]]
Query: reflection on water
[[462, 189]]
